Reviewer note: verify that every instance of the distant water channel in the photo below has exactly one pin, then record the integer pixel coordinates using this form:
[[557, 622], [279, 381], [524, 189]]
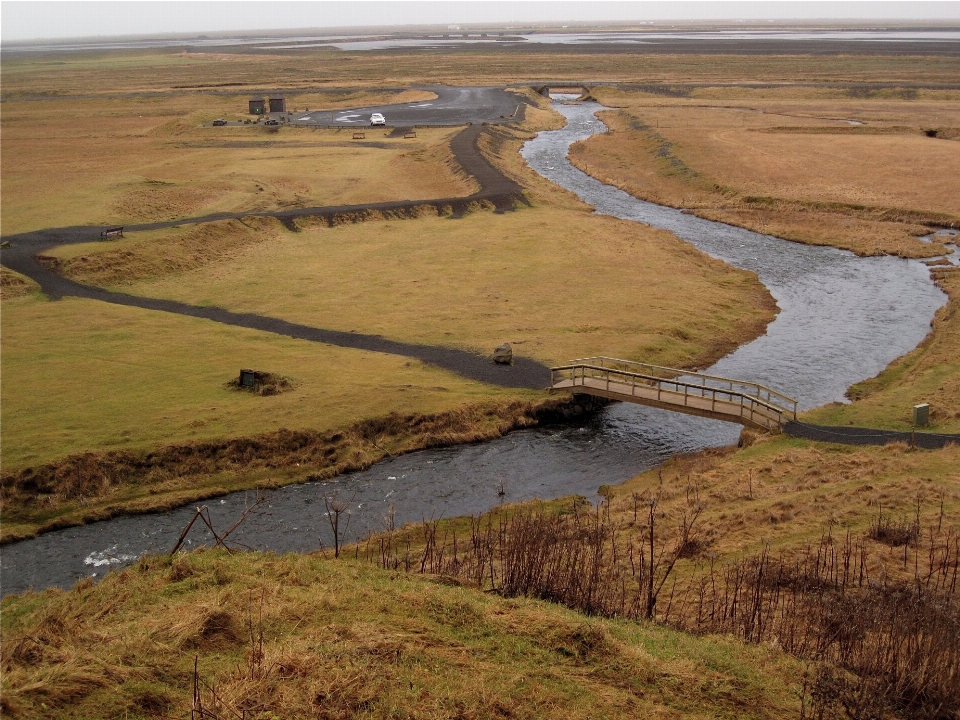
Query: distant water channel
[[842, 319]]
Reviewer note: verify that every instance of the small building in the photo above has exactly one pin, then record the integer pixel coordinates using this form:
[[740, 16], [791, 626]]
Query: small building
[[258, 106], [278, 105]]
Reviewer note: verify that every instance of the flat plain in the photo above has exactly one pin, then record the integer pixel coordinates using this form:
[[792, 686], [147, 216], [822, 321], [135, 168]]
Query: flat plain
[[89, 387], [851, 168], [470, 282]]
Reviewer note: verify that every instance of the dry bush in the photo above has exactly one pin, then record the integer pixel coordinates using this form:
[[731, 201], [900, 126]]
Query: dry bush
[[579, 558], [882, 644], [895, 533], [884, 637]]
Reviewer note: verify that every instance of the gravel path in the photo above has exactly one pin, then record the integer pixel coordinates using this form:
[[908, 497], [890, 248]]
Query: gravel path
[[495, 188]]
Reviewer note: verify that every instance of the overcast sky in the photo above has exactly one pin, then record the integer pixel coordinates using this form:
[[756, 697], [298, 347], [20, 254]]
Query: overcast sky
[[38, 19]]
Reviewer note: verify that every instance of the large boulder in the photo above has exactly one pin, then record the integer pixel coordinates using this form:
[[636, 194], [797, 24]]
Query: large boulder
[[503, 355]]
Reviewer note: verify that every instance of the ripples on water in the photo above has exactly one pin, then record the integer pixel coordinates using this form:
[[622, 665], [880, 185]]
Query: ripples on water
[[842, 319]]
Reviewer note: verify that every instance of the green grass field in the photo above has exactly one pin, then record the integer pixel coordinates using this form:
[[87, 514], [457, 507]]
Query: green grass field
[[537, 278], [81, 376]]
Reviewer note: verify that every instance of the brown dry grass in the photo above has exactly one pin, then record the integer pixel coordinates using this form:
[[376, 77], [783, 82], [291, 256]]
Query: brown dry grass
[[341, 639], [78, 161], [789, 166], [787, 492]]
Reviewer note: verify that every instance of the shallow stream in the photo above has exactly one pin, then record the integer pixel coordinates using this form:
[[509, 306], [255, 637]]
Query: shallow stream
[[842, 319]]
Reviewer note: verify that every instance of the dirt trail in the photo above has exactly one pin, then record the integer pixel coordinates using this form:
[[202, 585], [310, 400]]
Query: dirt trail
[[495, 188]]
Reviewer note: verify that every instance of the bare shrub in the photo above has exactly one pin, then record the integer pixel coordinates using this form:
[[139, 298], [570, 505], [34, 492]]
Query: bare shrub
[[579, 558], [882, 645], [882, 635], [895, 533]]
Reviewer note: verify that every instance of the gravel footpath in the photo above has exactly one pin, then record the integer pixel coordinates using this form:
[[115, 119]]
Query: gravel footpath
[[495, 188]]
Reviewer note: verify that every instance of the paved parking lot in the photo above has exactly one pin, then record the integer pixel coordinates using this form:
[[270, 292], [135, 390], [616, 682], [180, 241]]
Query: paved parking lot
[[453, 106]]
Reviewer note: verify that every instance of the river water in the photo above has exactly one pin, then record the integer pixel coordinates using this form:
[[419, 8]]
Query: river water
[[842, 319]]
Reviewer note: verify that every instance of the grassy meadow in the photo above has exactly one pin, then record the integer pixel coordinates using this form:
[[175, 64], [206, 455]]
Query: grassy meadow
[[475, 282], [119, 137], [164, 163], [789, 162], [87, 376]]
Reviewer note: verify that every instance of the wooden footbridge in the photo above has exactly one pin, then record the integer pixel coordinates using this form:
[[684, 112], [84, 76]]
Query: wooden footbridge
[[711, 396]]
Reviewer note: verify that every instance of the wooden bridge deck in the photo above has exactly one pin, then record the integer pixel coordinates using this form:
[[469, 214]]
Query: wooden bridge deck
[[749, 404]]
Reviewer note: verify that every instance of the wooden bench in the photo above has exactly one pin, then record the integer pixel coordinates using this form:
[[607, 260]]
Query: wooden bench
[[359, 136], [411, 134], [111, 232]]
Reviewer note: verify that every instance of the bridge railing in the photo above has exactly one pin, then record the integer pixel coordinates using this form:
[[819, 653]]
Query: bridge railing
[[785, 403], [753, 399]]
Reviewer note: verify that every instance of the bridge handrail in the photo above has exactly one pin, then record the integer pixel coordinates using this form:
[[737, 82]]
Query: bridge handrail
[[731, 393], [770, 392]]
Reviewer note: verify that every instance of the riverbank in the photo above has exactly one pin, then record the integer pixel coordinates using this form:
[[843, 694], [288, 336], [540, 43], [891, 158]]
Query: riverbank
[[90, 487], [786, 491], [804, 164]]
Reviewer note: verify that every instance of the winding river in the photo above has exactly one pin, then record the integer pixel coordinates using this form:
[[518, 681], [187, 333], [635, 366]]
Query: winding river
[[842, 319]]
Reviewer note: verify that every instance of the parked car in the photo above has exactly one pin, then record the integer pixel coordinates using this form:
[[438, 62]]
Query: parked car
[[219, 122], [377, 119]]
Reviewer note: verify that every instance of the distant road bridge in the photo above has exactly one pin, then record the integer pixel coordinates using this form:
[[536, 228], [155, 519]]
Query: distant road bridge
[[720, 398]]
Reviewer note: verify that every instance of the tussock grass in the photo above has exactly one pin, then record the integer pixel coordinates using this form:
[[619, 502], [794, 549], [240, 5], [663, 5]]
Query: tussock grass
[[870, 189], [784, 494], [300, 636]]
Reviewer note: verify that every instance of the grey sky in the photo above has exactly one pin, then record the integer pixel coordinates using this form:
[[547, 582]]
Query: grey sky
[[82, 18]]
